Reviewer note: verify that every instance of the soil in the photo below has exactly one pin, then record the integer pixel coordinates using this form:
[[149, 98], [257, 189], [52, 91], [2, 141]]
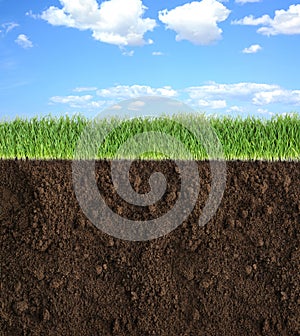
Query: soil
[[237, 275]]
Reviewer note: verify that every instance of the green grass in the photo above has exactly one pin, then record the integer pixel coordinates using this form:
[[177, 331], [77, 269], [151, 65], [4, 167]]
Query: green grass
[[245, 139]]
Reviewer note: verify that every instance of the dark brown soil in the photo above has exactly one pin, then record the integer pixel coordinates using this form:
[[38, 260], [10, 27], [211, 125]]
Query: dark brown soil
[[238, 275]]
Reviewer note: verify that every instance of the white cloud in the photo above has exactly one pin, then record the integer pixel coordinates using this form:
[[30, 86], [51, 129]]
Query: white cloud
[[117, 22], [116, 107], [285, 22], [213, 104], [84, 89], [251, 21], [238, 97], [235, 108], [256, 93], [8, 26], [254, 48], [196, 21], [245, 1], [127, 92], [85, 101], [157, 53], [70, 99], [228, 90], [264, 111], [136, 105], [23, 41], [277, 96], [129, 53], [32, 15], [109, 95], [95, 104]]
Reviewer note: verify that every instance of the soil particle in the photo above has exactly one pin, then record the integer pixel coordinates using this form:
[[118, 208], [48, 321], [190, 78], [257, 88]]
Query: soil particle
[[260, 242], [46, 315], [248, 269], [20, 307], [99, 269]]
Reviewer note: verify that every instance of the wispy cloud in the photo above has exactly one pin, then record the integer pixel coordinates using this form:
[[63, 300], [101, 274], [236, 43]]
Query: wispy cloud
[[32, 15], [246, 1], [286, 22], [85, 89], [118, 22], [85, 101], [196, 22], [24, 42], [8, 26], [254, 48], [129, 53], [157, 53], [70, 99]]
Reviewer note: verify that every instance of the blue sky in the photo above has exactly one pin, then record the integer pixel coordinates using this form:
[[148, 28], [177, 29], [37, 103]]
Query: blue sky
[[235, 57]]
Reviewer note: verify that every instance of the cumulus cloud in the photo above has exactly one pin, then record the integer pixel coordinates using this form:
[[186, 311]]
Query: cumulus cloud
[[277, 96], [117, 22], [23, 41], [228, 90], [127, 92], [196, 21], [110, 95], [256, 93], [285, 22], [237, 97], [254, 48]]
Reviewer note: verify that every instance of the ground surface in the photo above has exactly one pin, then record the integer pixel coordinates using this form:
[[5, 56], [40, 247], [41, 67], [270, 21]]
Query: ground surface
[[238, 275]]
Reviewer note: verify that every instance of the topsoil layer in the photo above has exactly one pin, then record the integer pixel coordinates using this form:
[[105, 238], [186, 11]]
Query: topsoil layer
[[238, 275]]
